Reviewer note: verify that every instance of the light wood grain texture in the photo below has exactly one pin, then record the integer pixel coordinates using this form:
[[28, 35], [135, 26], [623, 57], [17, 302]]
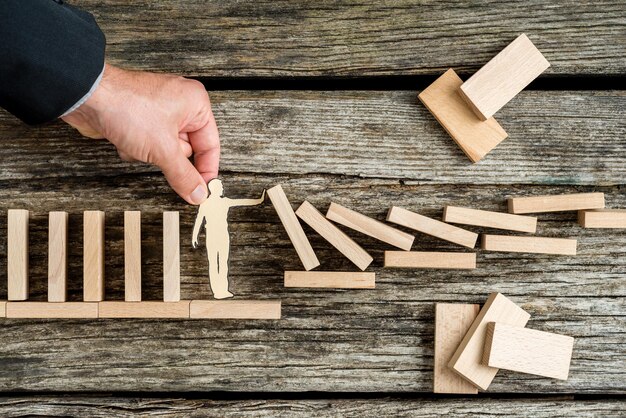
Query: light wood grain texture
[[452, 320], [132, 256], [337, 238], [52, 310], [57, 256], [536, 245], [3, 309], [235, 309], [171, 256], [93, 256], [330, 279], [432, 227], [490, 219], [556, 203], [602, 218], [17, 254], [430, 260], [369, 226], [528, 351], [474, 136], [467, 359], [503, 77], [294, 230], [144, 309]]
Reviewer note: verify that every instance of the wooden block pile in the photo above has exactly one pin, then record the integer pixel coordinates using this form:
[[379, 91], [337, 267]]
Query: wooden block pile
[[472, 345], [466, 109]]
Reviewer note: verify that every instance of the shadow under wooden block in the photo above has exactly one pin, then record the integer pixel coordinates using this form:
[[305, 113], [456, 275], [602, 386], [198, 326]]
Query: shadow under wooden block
[[331, 279], [52, 310], [144, 309], [235, 309]]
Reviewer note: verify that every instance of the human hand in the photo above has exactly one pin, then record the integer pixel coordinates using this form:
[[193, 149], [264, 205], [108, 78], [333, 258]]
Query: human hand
[[159, 119]]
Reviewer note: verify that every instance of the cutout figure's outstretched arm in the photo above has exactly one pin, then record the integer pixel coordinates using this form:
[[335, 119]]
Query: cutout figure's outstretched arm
[[247, 202], [196, 229]]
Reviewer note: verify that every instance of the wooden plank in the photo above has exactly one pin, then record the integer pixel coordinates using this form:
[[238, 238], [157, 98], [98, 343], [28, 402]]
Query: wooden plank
[[369, 226], [401, 37], [602, 218], [452, 320], [132, 256], [474, 136], [334, 235], [235, 309], [144, 309], [490, 219], [52, 310], [538, 245], [93, 256], [430, 260], [557, 203], [468, 356], [3, 309], [171, 256], [503, 77], [432, 227], [294, 230], [528, 351], [330, 279], [17, 254], [57, 256]]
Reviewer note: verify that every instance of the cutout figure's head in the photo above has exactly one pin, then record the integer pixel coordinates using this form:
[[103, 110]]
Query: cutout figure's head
[[215, 187]]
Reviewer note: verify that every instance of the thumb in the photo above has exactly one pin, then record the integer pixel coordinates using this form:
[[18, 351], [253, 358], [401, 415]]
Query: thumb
[[183, 177]]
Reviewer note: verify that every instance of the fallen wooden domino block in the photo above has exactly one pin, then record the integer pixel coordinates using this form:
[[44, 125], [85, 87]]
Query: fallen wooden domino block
[[57, 256], [93, 256], [334, 235], [17, 254], [467, 359], [556, 203], [503, 77], [537, 245], [171, 257], [475, 137], [144, 309], [330, 279], [3, 309], [452, 320], [602, 218], [132, 256], [528, 351], [52, 310], [489, 219], [430, 260], [432, 227], [235, 309], [368, 226], [292, 226]]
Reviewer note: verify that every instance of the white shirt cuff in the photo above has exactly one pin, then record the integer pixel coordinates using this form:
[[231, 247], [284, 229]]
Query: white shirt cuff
[[86, 96]]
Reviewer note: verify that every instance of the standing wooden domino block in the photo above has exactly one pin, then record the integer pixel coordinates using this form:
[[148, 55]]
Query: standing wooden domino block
[[537, 245], [334, 235], [292, 226], [489, 219], [331, 279], [602, 218], [93, 256], [171, 257], [452, 320], [132, 256], [527, 350], [502, 78], [556, 203], [368, 226], [467, 359], [432, 227], [474, 136], [17, 254], [57, 256], [430, 260]]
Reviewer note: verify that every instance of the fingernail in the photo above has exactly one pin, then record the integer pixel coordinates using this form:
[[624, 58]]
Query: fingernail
[[199, 194]]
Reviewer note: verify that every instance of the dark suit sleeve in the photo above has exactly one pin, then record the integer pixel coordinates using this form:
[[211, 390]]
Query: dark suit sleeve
[[51, 54]]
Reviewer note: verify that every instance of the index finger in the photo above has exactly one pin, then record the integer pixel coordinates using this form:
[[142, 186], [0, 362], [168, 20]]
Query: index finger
[[205, 143]]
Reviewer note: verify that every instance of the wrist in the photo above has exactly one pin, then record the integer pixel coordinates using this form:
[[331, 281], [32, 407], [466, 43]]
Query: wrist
[[98, 99]]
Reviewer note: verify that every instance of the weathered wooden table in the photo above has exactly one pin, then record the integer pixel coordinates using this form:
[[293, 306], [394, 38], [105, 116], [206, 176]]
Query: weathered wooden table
[[322, 98]]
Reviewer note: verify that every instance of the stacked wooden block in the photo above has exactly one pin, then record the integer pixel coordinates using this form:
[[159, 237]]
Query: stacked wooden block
[[94, 304]]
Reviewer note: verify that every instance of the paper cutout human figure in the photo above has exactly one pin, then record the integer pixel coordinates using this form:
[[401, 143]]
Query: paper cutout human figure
[[213, 213]]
